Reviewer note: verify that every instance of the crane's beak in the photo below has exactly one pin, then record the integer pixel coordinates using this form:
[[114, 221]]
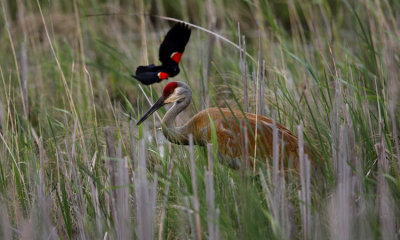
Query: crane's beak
[[160, 102]]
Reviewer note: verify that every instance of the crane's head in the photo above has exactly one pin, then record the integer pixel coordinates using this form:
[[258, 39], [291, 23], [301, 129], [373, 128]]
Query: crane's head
[[174, 92]]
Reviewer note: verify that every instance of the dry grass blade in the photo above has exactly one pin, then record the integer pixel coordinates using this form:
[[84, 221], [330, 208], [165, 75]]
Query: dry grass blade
[[243, 69], [261, 93], [189, 213], [304, 194], [244, 142], [257, 90], [195, 199], [24, 77], [145, 196], [385, 200], [110, 142], [133, 145], [166, 192], [386, 204], [275, 155], [123, 207], [341, 210], [210, 197]]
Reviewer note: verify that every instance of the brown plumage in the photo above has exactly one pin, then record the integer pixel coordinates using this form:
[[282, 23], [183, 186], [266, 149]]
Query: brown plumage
[[229, 127]]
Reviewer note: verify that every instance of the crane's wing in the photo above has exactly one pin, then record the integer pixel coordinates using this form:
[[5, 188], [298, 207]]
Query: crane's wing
[[171, 49]]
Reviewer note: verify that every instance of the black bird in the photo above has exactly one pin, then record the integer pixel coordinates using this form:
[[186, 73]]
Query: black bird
[[170, 53]]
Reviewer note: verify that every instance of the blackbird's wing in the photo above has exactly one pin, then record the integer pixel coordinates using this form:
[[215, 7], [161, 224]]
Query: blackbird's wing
[[148, 74], [148, 68], [171, 49], [151, 74]]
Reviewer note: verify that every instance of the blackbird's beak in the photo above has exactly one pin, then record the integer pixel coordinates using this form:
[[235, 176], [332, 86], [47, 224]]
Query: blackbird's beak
[[160, 102]]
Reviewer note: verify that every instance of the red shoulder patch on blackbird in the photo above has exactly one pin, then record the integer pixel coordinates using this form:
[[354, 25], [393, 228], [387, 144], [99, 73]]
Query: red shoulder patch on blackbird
[[163, 75]]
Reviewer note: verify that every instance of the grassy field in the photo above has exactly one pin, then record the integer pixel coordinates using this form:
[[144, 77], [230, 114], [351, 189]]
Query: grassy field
[[74, 165]]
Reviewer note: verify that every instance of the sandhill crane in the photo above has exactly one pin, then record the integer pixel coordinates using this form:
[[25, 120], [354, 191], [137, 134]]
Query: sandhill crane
[[228, 125], [170, 53]]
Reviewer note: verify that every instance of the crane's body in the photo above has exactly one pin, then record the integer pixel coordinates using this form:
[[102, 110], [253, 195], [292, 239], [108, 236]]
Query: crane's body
[[235, 131], [236, 134]]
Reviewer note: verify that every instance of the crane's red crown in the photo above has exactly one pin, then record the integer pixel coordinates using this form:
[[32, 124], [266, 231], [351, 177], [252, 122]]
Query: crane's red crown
[[169, 89]]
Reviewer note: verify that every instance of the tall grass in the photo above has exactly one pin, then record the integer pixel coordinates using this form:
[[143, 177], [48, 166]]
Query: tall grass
[[74, 165]]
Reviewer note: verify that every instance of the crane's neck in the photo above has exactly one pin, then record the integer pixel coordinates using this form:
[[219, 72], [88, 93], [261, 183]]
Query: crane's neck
[[178, 135]]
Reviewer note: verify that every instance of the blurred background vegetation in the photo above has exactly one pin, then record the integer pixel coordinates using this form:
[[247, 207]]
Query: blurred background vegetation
[[70, 153]]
